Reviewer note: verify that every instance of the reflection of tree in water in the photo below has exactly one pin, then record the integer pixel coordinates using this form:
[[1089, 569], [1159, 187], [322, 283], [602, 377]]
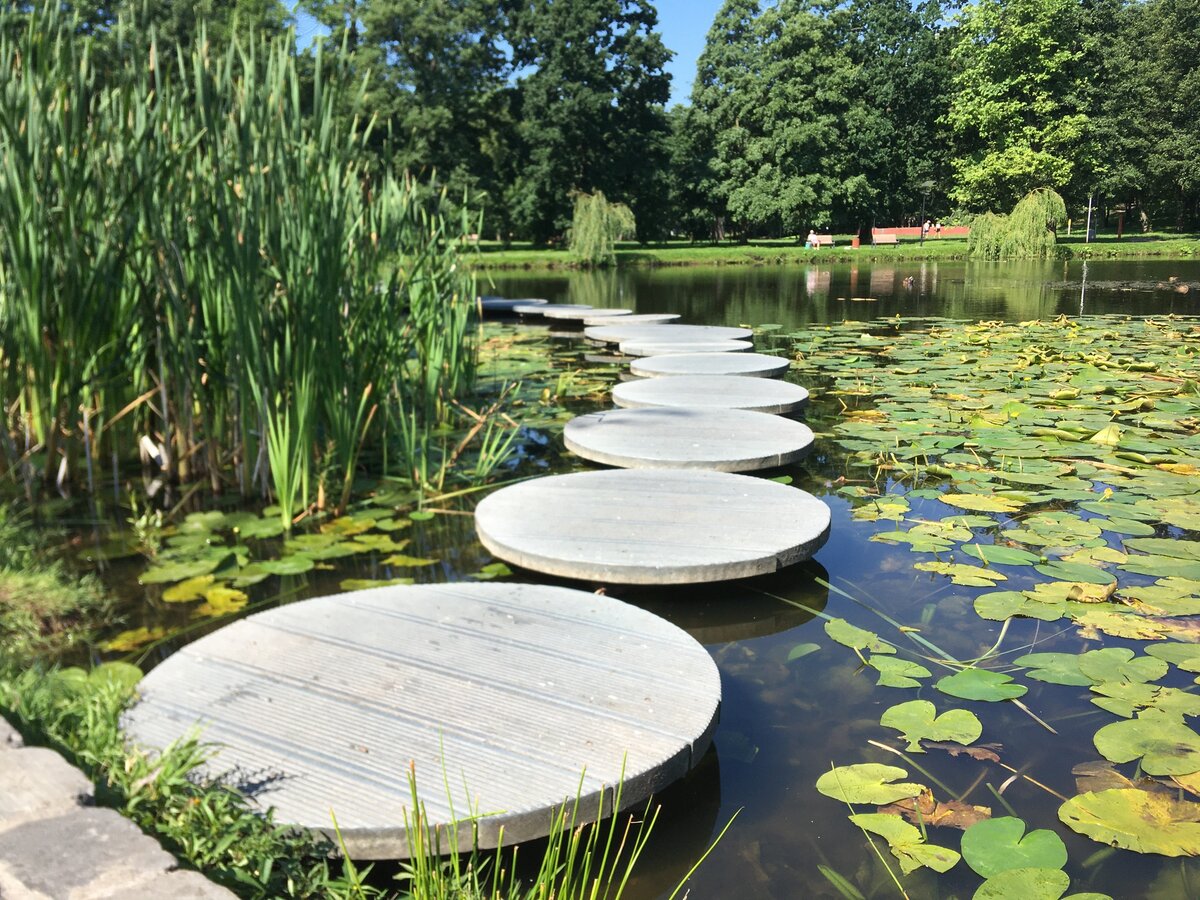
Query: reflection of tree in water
[[599, 288]]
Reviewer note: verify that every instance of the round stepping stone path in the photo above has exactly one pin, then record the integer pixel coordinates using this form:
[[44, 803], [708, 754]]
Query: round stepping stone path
[[727, 440], [636, 318], [754, 365], [658, 348], [509, 692], [619, 332], [540, 309], [652, 526], [713, 392], [581, 314], [503, 304]]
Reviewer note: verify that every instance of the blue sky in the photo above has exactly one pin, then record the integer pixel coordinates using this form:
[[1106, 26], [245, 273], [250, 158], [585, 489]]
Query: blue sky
[[683, 25]]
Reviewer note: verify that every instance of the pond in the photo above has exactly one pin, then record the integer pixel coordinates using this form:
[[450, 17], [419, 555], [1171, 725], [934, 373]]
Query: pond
[[798, 700]]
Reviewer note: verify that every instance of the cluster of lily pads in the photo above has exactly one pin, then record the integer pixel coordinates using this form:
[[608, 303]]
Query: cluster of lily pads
[[1054, 466]]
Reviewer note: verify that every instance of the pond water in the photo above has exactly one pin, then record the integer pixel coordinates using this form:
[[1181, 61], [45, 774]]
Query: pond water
[[785, 721]]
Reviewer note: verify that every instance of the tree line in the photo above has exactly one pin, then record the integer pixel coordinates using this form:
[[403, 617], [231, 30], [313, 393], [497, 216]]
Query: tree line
[[835, 114]]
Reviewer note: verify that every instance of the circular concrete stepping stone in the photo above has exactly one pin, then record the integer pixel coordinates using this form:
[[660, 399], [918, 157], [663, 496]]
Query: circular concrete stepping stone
[[714, 392], [658, 348], [754, 365], [508, 692], [540, 309], [581, 314], [619, 332], [636, 318], [652, 526], [727, 440], [503, 304]]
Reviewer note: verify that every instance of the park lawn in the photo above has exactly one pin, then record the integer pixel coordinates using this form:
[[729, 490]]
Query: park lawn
[[492, 255]]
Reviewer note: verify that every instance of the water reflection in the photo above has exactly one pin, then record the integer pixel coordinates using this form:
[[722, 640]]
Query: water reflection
[[797, 296]]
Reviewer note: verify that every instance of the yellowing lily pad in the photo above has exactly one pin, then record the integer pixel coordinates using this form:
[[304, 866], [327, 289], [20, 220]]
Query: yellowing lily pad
[[186, 591], [856, 638], [1025, 884], [959, 573], [906, 843], [981, 502], [897, 673], [1136, 820], [872, 783], [1165, 745]]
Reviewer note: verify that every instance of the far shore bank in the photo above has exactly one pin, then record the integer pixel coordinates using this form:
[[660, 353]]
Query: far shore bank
[[493, 256]]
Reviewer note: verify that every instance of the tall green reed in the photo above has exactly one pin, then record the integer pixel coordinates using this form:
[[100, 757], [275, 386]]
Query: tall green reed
[[199, 249]]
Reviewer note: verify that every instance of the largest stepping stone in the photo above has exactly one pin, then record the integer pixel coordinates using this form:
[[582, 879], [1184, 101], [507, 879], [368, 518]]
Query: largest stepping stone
[[725, 440], [652, 526], [714, 392], [503, 694], [618, 333]]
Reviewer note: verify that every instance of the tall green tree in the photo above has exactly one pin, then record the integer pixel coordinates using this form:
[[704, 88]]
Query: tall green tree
[[1018, 111], [896, 138], [773, 85], [590, 110]]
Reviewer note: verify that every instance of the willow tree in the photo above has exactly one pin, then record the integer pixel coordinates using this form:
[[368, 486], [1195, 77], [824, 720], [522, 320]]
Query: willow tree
[[1028, 232], [596, 228]]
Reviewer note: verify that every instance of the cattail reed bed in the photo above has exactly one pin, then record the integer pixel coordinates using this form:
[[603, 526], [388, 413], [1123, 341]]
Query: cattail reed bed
[[199, 259]]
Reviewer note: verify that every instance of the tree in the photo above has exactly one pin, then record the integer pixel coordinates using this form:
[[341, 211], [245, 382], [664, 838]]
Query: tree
[[591, 110], [1017, 110], [596, 227], [896, 137], [773, 85]]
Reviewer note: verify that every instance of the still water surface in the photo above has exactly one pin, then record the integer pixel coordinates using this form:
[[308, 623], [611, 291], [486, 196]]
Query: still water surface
[[785, 722]]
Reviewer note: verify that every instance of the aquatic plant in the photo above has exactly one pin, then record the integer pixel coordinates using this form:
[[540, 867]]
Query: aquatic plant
[[216, 273]]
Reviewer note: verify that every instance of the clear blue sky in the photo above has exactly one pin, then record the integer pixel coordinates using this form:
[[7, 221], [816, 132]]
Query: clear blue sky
[[683, 25]]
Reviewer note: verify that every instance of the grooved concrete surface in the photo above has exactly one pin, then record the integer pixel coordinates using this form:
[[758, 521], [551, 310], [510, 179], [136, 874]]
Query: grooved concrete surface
[[55, 844], [636, 318], [753, 365], [713, 392], [540, 309], [618, 332], [648, 347], [508, 693], [725, 440], [581, 314], [652, 526]]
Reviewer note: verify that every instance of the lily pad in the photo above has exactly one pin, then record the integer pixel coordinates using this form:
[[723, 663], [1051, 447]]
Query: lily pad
[[186, 591], [969, 576], [907, 843], [918, 720], [1120, 664], [981, 502], [856, 638], [897, 673], [872, 783], [981, 684], [802, 650], [294, 564], [1025, 884], [998, 845], [1055, 668], [1136, 820], [1125, 699], [1165, 745], [1000, 555]]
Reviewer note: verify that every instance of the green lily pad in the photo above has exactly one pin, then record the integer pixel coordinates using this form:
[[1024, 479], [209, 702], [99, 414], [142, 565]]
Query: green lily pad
[[1125, 699], [182, 571], [1185, 656], [1136, 820], [1120, 664], [1000, 555], [295, 564], [871, 783], [1001, 605], [1066, 571], [981, 502], [1025, 884], [1055, 668], [856, 638], [906, 843], [1165, 745], [491, 571], [897, 673], [998, 845], [802, 650], [421, 515], [1166, 547], [981, 684], [918, 720], [405, 561], [259, 528], [362, 584]]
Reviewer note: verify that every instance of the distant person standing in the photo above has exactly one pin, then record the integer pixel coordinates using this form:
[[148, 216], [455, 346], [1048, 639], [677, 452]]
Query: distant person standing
[[937, 228], [925, 229]]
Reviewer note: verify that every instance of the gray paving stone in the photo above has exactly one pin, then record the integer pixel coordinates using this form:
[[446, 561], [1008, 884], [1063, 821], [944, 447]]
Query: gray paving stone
[[179, 885], [618, 332], [658, 348], [713, 392], [753, 365], [36, 783], [636, 318], [86, 854]]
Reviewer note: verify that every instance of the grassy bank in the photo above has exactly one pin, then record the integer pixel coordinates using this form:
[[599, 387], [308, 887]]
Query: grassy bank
[[493, 255]]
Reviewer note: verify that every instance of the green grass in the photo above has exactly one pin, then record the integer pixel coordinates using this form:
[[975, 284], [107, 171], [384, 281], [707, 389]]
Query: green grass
[[789, 252]]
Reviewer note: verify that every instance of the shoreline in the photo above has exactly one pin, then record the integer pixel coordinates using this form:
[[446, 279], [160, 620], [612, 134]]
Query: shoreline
[[788, 253]]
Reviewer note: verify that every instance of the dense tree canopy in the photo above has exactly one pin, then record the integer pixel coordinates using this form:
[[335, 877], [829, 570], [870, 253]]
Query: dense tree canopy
[[834, 114]]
